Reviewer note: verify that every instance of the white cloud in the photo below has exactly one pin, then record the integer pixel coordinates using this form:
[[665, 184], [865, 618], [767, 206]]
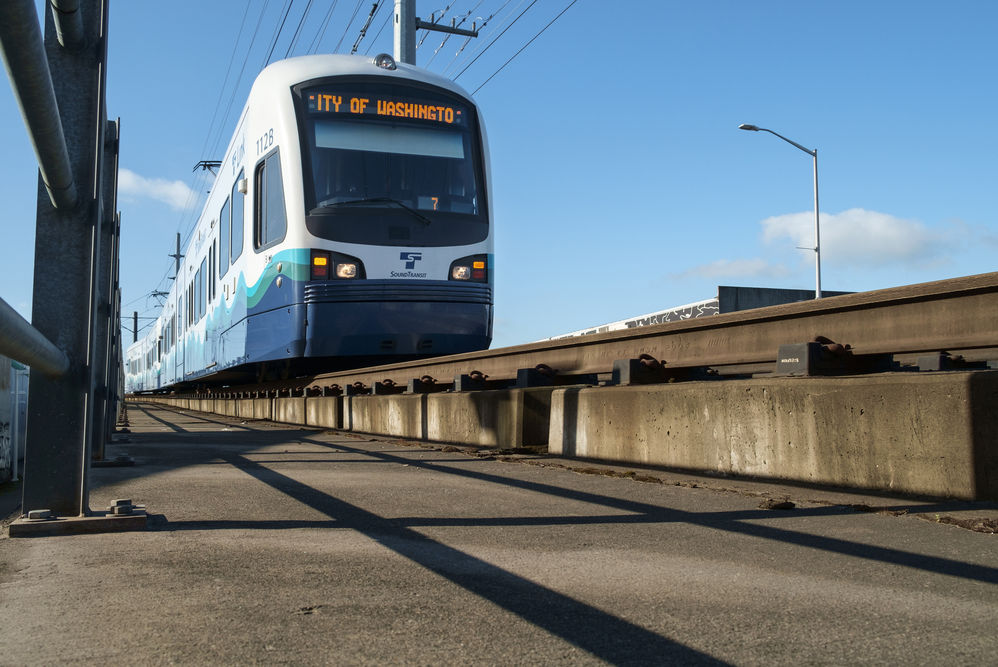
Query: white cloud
[[736, 268], [858, 237], [175, 194]]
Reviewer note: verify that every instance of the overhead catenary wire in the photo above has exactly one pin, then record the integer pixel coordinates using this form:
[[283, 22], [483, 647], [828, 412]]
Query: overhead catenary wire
[[349, 23], [242, 70], [221, 92], [190, 214], [467, 40], [192, 194], [487, 28], [503, 66], [294, 39], [447, 36], [278, 31], [482, 52], [321, 32], [435, 20]]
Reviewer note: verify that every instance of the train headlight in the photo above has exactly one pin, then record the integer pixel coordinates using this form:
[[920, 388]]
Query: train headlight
[[329, 265], [473, 268], [385, 61]]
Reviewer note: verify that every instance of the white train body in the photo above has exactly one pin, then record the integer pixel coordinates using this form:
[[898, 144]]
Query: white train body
[[350, 222]]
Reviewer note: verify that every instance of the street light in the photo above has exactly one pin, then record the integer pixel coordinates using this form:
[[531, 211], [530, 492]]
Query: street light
[[817, 236]]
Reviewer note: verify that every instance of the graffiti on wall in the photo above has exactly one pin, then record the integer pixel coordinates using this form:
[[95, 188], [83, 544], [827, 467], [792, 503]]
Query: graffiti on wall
[[6, 469]]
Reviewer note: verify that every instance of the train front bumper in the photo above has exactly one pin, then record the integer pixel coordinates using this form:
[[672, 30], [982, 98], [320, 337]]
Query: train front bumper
[[391, 317]]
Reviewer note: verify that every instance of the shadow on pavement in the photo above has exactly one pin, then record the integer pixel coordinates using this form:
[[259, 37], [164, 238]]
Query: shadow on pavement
[[604, 635]]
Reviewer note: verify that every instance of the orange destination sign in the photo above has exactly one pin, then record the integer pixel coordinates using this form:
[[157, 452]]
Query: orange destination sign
[[369, 105]]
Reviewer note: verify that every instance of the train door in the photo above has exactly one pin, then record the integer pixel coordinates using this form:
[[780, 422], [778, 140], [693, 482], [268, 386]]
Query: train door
[[275, 323]]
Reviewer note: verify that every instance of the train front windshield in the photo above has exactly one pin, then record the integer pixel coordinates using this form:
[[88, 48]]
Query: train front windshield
[[390, 164]]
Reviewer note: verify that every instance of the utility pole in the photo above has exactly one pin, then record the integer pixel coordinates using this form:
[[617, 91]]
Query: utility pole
[[406, 24], [176, 259]]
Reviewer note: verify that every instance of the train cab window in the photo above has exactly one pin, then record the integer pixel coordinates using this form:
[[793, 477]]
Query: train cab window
[[223, 240], [271, 221], [406, 168], [238, 204]]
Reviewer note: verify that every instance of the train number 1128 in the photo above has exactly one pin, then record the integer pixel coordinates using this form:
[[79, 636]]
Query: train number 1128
[[265, 142]]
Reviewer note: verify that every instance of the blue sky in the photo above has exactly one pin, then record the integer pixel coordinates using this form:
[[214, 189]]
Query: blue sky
[[621, 182]]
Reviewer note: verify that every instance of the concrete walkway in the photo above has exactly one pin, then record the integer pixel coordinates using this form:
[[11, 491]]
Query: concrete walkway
[[270, 544]]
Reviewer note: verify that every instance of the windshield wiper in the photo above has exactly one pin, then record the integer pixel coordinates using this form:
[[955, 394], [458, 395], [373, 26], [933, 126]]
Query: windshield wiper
[[374, 200]]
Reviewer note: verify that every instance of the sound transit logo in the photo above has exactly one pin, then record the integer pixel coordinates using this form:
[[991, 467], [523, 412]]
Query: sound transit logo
[[410, 259]]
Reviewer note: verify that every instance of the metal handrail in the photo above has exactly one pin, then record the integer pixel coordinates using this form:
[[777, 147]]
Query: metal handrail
[[22, 342], [68, 24], [28, 68]]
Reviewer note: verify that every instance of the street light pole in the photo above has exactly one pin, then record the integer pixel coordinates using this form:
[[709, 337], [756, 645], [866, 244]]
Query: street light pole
[[817, 232]]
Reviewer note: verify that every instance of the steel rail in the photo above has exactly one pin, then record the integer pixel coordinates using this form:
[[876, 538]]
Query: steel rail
[[957, 314]]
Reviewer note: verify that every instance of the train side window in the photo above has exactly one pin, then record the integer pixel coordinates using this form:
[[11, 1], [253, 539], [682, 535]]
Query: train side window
[[212, 273], [223, 240], [201, 290], [270, 220], [238, 204], [209, 273]]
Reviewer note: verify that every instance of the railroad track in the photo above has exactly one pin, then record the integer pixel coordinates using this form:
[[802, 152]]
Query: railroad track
[[958, 316]]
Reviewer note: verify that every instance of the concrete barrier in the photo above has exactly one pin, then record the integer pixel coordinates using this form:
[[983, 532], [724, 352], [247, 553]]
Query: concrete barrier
[[324, 411], [260, 408], [289, 410], [400, 415], [919, 433], [506, 418]]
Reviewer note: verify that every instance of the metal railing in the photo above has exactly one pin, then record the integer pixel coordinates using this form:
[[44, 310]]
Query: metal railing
[[22, 342], [28, 68], [59, 83]]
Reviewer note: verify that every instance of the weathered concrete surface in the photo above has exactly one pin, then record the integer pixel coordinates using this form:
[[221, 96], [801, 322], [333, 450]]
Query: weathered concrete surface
[[922, 433], [325, 411], [289, 410], [279, 544], [400, 415], [260, 408], [510, 418]]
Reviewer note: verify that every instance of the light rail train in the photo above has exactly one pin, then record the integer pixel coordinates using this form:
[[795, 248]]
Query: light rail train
[[349, 223]]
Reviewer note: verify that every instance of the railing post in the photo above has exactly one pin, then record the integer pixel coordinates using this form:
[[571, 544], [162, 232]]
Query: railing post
[[104, 288], [67, 249]]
